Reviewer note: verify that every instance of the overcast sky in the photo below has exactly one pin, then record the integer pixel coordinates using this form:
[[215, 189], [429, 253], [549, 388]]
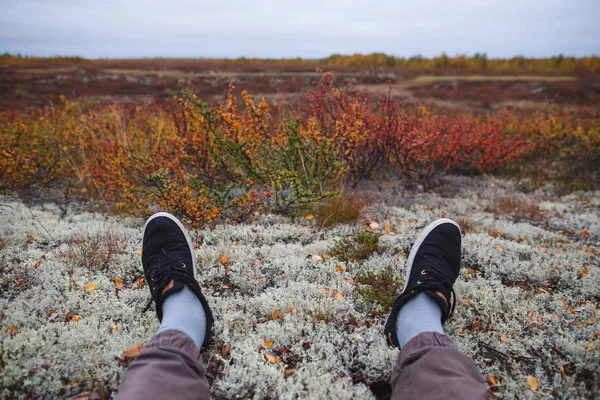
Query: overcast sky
[[306, 28]]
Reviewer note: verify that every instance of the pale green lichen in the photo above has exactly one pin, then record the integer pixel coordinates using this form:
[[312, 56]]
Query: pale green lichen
[[536, 282]]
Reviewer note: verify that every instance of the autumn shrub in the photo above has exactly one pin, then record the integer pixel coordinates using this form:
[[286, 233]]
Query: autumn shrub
[[374, 134], [429, 144], [358, 247], [382, 288], [345, 208], [243, 156], [564, 146]]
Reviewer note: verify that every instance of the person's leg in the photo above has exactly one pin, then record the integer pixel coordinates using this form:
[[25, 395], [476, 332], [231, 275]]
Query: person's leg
[[169, 365], [429, 366], [168, 368]]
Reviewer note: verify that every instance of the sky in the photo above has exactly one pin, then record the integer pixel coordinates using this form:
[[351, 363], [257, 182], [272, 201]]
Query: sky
[[306, 28]]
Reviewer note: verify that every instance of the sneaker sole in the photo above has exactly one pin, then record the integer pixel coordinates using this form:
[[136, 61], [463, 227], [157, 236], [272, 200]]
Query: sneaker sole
[[187, 237], [417, 245]]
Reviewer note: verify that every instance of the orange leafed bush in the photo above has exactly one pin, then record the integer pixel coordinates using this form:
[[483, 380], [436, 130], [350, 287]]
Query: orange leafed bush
[[241, 157]]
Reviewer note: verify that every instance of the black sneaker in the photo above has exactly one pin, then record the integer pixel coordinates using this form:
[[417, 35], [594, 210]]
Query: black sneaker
[[168, 255], [433, 265]]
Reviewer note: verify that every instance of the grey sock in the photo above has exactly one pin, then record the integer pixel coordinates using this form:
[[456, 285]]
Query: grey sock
[[419, 314], [183, 312]]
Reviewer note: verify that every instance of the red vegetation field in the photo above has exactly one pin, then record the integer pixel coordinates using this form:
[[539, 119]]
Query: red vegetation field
[[194, 140], [32, 83]]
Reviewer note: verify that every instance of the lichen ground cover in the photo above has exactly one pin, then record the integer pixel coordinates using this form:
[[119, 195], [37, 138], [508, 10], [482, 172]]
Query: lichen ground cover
[[290, 322]]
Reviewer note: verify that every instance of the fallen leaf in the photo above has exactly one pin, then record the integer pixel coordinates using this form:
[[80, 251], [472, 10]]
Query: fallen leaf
[[75, 318], [309, 217], [11, 329], [140, 282], [113, 326], [374, 225], [90, 287], [504, 337], [347, 281], [288, 372], [496, 234], [277, 314], [498, 247], [225, 350], [337, 295], [317, 257], [369, 229], [591, 347], [273, 359], [133, 351], [375, 313], [138, 252], [466, 302], [325, 256], [404, 224], [30, 239], [225, 286], [590, 250], [118, 283], [223, 259], [562, 372], [20, 282], [292, 310], [584, 233], [491, 379], [389, 227], [533, 384], [268, 343], [339, 268], [37, 264]]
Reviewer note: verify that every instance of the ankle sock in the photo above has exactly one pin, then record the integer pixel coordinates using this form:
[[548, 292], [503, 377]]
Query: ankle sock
[[183, 312], [419, 314]]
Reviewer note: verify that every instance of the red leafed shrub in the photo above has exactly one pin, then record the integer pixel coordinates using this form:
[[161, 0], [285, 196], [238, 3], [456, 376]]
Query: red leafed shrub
[[358, 126], [426, 144], [372, 133]]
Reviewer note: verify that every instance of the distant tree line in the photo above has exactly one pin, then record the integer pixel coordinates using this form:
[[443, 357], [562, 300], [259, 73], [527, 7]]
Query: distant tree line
[[477, 62]]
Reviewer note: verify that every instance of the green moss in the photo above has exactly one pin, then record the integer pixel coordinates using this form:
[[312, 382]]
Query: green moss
[[356, 248], [381, 288]]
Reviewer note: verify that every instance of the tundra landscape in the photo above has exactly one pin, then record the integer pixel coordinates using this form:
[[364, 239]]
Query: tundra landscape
[[304, 184]]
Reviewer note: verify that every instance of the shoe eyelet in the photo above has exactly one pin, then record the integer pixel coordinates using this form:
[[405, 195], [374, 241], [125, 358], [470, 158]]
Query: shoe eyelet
[[423, 272], [182, 266], [419, 282]]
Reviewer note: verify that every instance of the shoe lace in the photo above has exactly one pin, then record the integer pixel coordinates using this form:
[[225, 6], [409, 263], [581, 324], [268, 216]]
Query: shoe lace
[[160, 276], [438, 282]]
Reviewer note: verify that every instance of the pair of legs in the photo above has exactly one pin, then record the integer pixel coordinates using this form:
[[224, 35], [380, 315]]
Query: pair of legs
[[428, 367]]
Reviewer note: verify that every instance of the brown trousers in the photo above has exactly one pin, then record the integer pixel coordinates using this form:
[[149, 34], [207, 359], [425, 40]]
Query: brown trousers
[[429, 367]]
